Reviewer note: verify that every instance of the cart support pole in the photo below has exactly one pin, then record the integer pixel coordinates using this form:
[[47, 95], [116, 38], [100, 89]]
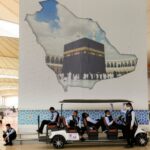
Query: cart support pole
[[61, 109], [38, 125]]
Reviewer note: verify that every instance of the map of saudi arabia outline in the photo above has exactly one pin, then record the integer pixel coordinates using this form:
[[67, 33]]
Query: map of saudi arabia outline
[[77, 49]]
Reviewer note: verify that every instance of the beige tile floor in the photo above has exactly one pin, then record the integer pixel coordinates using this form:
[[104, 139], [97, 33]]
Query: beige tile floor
[[35, 145], [68, 147]]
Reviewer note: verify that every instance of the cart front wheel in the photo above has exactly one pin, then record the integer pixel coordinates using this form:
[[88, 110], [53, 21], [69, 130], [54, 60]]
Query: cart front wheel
[[58, 141]]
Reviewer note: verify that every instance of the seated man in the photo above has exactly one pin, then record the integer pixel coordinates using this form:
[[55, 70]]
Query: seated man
[[89, 122], [108, 119], [9, 135], [73, 122], [53, 120], [111, 124]]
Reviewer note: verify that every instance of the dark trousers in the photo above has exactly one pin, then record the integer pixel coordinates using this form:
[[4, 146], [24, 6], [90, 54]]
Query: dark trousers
[[82, 130], [120, 127], [11, 137], [117, 126], [45, 122], [76, 128], [90, 124], [130, 135], [123, 129], [97, 125], [73, 125]]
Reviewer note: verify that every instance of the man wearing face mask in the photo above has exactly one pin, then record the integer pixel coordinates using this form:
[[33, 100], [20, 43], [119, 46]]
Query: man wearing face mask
[[110, 123], [108, 119], [131, 124]]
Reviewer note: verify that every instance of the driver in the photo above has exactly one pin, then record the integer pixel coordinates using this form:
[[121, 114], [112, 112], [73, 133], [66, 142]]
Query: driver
[[109, 121], [112, 124]]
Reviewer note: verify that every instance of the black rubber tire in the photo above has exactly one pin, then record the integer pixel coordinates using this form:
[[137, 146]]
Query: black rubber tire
[[58, 141], [141, 139]]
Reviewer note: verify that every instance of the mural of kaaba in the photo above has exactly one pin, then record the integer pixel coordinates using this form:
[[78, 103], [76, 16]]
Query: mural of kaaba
[[83, 56], [77, 49]]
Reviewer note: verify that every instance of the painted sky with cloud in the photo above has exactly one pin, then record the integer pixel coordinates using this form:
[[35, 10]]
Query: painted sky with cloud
[[54, 25]]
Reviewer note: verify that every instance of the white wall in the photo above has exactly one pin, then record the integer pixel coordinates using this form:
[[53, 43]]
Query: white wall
[[149, 89], [126, 29], [11, 101]]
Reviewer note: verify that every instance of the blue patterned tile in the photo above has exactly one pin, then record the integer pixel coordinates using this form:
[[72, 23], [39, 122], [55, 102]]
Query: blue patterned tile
[[29, 117]]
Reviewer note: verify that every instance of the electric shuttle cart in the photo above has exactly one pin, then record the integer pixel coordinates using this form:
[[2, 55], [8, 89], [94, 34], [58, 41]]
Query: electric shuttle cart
[[59, 134]]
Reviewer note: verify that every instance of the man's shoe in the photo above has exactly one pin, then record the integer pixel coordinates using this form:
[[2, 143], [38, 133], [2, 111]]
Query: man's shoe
[[121, 137], [39, 131], [82, 139], [10, 144]]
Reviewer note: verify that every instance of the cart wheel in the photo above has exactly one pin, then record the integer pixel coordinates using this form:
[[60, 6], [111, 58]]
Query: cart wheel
[[141, 139], [58, 141]]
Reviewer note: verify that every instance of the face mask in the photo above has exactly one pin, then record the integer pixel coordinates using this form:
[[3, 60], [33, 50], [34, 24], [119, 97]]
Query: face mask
[[127, 108]]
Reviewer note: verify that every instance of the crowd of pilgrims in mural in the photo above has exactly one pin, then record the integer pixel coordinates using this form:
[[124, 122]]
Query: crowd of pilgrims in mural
[[56, 63], [88, 76]]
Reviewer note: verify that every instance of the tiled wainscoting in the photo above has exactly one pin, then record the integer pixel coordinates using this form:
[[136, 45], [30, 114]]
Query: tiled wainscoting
[[29, 117]]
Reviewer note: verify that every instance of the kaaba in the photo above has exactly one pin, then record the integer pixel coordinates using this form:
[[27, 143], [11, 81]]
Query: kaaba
[[84, 56]]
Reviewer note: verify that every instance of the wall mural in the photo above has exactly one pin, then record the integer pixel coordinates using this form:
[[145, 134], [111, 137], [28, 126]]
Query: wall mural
[[77, 49]]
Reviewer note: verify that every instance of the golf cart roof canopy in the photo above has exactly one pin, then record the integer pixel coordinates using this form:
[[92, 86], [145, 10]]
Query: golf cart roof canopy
[[94, 101]]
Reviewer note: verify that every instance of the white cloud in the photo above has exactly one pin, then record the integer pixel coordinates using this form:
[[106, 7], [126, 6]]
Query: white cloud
[[71, 28]]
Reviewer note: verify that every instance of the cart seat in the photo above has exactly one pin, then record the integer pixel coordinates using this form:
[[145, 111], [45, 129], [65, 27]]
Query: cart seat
[[92, 134], [62, 124], [92, 131], [89, 129], [52, 127], [71, 130], [112, 133], [49, 126]]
